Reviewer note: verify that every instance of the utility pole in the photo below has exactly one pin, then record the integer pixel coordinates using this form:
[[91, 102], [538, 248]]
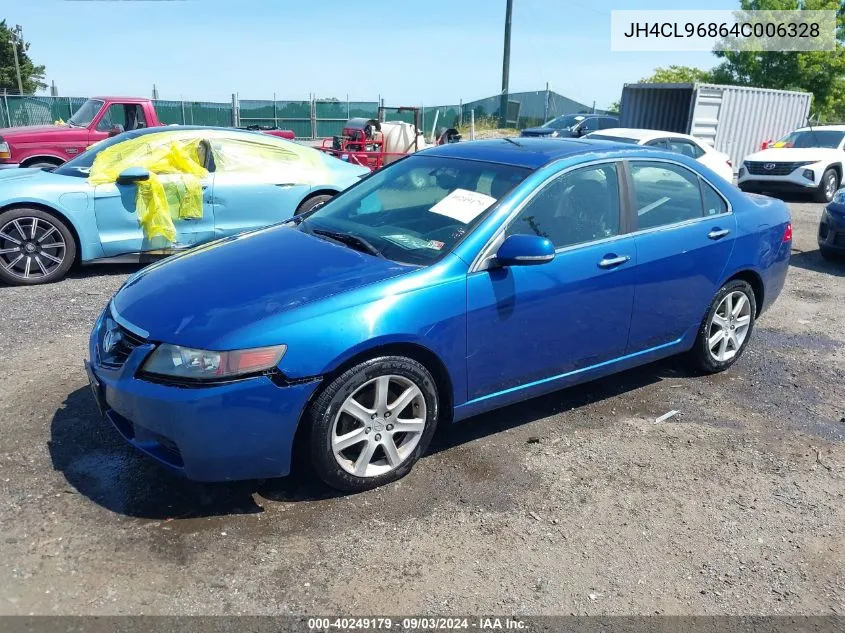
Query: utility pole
[[506, 63], [18, 39]]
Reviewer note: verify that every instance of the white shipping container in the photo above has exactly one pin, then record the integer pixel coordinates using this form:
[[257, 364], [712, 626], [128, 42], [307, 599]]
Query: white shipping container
[[734, 119]]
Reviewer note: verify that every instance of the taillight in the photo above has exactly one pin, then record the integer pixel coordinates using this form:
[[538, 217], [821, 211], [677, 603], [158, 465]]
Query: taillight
[[787, 234]]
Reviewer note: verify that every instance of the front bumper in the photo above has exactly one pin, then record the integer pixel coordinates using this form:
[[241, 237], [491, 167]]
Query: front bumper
[[775, 186], [238, 430], [793, 182], [831, 236]]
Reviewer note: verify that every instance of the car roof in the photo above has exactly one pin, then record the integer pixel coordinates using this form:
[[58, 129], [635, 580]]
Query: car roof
[[634, 133], [831, 128], [188, 128], [532, 153]]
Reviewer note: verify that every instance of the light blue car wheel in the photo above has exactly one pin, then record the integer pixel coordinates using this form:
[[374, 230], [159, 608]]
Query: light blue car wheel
[[35, 247]]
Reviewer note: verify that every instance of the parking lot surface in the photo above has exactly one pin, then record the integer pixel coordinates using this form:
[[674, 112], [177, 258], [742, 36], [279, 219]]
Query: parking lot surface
[[577, 502]]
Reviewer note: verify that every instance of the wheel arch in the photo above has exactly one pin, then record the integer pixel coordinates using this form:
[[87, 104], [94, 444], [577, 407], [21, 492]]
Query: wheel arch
[[753, 279], [46, 208], [423, 355], [43, 158]]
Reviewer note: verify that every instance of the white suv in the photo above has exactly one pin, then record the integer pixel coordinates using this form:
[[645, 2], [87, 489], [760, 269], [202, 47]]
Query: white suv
[[808, 160]]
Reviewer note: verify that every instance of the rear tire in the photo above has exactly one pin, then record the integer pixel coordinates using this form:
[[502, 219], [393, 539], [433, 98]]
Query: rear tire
[[726, 329], [313, 203], [27, 260], [369, 426], [827, 187]]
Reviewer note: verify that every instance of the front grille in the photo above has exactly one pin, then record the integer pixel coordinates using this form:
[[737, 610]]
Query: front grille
[[777, 169], [120, 343]]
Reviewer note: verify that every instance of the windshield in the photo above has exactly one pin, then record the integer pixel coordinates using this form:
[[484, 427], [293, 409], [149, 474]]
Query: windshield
[[811, 138], [81, 165], [86, 113], [416, 210], [565, 122]]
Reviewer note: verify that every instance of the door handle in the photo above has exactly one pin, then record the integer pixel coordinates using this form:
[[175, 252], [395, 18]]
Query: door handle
[[717, 234], [612, 261], [284, 184]]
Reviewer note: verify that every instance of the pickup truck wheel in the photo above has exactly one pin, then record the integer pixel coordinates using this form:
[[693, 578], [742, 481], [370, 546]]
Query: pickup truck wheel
[[41, 165], [827, 187], [35, 247]]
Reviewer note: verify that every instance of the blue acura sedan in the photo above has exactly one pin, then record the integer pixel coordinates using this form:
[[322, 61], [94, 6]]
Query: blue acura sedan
[[459, 279]]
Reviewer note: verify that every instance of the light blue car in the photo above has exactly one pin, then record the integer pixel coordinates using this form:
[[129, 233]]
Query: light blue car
[[51, 220]]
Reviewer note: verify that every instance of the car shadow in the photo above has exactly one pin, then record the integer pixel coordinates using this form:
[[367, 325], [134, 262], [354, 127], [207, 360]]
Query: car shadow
[[813, 260], [104, 270], [98, 464]]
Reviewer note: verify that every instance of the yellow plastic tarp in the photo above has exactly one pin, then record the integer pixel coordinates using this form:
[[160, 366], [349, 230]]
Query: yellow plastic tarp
[[178, 155], [158, 200]]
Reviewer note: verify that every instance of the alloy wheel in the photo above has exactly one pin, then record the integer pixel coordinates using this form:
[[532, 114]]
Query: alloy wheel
[[31, 248], [378, 426], [830, 186], [729, 326]]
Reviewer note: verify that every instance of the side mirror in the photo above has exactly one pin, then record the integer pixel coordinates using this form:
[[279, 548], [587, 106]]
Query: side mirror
[[117, 129], [525, 250], [132, 175]]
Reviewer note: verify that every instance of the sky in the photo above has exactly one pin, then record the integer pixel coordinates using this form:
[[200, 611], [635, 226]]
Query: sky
[[420, 52]]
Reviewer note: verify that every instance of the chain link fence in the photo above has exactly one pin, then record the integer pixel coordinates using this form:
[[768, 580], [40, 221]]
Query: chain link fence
[[309, 119]]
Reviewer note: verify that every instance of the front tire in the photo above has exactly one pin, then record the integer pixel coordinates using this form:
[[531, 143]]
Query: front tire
[[827, 187], [35, 247], [726, 328], [370, 425], [313, 203]]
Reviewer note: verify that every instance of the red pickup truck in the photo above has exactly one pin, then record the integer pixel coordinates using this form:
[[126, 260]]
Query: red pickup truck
[[97, 119]]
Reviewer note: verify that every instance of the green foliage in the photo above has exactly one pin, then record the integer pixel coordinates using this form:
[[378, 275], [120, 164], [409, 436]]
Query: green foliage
[[819, 72], [32, 76], [678, 75]]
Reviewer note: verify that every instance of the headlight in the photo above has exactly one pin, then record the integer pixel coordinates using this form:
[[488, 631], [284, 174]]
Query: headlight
[[5, 152], [176, 361], [839, 197]]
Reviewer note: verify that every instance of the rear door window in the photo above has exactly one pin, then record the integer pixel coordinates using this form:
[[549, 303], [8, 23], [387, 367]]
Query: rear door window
[[664, 194]]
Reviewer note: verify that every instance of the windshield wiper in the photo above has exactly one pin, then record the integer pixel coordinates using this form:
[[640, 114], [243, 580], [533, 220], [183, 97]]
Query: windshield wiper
[[348, 239], [510, 140]]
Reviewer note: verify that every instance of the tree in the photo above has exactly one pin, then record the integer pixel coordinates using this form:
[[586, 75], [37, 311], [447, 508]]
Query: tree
[[819, 72], [32, 76], [678, 75]]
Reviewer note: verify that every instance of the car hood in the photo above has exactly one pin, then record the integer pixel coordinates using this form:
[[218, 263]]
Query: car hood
[[202, 297], [41, 132], [795, 154]]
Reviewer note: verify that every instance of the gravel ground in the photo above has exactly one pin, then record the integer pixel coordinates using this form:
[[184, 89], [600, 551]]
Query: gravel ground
[[577, 502]]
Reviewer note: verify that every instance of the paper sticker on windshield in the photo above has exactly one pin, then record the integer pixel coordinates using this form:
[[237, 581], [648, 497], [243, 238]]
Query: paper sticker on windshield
[[412, 242], [463, 205]]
